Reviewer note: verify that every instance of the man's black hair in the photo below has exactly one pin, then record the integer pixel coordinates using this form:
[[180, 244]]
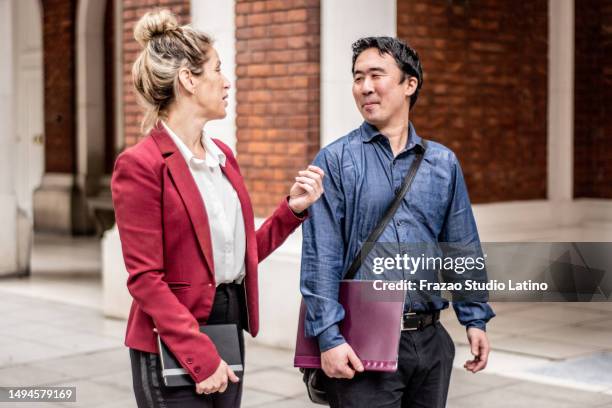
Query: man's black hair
[[406, 58]]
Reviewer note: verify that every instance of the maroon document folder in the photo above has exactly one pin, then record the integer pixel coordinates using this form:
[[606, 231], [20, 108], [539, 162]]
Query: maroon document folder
[[371, 326]]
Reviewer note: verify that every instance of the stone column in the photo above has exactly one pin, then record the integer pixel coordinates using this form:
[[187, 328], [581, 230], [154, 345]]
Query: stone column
[[561, 109], [8, 201], [343, 22]]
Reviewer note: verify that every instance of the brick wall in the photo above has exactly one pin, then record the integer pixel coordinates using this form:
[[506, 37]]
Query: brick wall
[[132, 11], [59, 38], [593, 99], [485, 90], [277, 92]]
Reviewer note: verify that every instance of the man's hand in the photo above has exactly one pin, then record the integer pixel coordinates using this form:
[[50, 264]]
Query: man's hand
[[479, 345], [218, 381], [341, 362]]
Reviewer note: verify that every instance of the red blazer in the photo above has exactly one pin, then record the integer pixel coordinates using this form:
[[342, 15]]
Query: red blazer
[[167, 250]]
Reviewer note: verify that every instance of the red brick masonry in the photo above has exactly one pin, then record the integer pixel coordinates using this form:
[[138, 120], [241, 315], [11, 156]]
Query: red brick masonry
[[485, 92], [277, 92]]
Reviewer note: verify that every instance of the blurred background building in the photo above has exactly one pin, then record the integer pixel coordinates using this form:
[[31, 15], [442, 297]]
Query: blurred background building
[[521, 91]]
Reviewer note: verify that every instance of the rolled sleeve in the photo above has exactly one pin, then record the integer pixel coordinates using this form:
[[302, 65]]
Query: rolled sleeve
[[330, 338], [473, 314]]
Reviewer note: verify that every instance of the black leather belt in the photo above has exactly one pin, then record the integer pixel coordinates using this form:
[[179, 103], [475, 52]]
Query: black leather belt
[[419, 321]]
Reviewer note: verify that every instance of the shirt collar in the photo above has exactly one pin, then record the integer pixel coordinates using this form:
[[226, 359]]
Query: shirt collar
[[369, 132], [214, 155]]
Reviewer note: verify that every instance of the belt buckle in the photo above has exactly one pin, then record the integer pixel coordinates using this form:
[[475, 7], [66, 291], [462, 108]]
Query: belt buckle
[[404, 328]]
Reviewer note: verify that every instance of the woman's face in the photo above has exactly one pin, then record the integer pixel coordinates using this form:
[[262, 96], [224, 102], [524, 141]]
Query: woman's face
[[211, 88]]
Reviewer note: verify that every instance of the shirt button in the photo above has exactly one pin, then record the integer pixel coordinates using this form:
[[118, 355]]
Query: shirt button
[[189, 360], [210, 284], [196, 370], [397, 190], [398, 223]]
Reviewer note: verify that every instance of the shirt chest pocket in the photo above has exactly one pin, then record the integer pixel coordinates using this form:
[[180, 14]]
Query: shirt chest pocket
[[427, 203]]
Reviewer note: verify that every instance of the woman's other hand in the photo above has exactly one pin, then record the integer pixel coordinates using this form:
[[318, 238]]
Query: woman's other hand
[[307, 189], [218, 381]]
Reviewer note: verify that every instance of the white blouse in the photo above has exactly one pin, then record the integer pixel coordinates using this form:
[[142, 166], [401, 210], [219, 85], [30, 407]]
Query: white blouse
[[222, 207]]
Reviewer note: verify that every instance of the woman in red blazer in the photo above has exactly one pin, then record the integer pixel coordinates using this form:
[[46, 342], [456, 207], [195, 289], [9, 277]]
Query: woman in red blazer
[[185, 220]]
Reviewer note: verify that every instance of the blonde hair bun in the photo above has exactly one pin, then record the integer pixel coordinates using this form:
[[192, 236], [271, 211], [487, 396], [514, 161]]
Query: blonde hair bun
[[154, 23]]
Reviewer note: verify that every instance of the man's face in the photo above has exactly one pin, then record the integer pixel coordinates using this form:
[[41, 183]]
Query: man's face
[[378, 93]]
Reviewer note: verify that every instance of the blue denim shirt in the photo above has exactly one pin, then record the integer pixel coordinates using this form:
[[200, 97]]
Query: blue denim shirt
[[361, 177]]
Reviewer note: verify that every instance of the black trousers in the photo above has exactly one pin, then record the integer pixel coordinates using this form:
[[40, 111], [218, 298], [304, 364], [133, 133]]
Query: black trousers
[[422, 379], [149, 387]]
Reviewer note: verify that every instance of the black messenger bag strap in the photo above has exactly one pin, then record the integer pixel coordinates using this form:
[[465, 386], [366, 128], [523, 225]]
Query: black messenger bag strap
[[382, 224]]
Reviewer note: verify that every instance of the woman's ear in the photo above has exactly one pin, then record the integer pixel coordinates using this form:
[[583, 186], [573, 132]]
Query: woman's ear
[[186, 80]]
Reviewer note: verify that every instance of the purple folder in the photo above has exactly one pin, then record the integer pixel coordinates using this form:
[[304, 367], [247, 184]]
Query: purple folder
[[371, 326]]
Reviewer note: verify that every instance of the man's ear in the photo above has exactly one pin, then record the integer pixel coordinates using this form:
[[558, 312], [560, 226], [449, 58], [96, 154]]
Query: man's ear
[[412, 83], [186, 80]]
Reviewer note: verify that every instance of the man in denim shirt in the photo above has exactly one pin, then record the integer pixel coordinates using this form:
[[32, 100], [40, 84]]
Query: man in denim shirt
[[364, 170]]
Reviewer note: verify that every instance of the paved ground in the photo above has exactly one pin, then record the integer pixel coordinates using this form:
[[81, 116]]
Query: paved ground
[[52, 333], [53, 343]]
